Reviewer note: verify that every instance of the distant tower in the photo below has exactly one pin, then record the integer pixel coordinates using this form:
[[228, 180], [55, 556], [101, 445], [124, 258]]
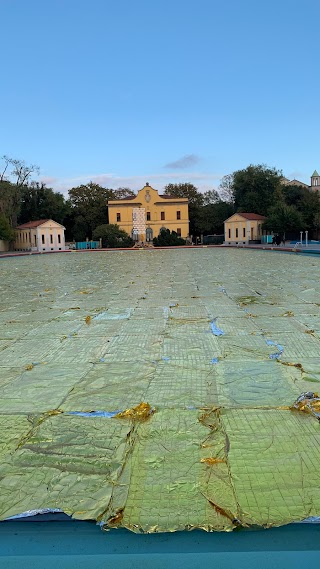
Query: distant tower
[[315, 181]]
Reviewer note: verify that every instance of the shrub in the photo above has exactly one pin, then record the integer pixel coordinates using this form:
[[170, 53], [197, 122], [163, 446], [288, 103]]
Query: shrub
[[112, 236], [168, 239]]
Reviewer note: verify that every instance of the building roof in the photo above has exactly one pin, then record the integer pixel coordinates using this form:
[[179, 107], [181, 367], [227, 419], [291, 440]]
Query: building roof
[[37, 223], [249, 216], [32, 224], [296, 182], [163, 196], [147, 188], [124, 199], [315, 173]]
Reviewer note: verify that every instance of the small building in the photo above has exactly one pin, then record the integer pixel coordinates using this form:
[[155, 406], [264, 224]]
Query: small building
[[144, 215], [41, 235], [243, 228]]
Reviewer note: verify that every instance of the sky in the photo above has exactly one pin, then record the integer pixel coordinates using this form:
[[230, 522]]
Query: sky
[[122, 92]]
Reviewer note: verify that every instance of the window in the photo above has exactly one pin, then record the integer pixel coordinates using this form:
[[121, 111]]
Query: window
[[51, 238], [42, 239], [315, 181], [244, 232], [259, 229], [118, 217], [179, 231], [59, 238], [149, 234], [163, 216], [148, 216], [178, 214], [237, 232], [229, 233]]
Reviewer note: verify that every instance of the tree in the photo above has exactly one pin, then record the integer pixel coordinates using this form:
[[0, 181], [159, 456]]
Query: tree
[[185, 190], [40, 202], [195, 198], [304, 201], [14, 176], [284, 218], [7, 190], [112, 236], [78, 228], [123, 193], [226, 188], [89, 201], [316, 224], [254, 188], [212, 217], [18, 170], [167, 239], [6, 231], [211, 197]]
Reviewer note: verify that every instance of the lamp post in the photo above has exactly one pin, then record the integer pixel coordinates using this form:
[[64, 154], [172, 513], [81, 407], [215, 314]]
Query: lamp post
[[306, 238]]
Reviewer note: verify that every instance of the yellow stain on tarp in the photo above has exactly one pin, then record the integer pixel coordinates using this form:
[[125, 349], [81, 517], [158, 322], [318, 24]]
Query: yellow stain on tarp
[[298, 366], [139, 413], [88, 320], [211, 460]]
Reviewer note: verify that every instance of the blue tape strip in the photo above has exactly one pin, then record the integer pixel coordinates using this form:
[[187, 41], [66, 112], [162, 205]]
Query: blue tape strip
[[106, 414]]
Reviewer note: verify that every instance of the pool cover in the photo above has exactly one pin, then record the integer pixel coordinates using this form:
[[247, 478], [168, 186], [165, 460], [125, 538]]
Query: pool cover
[[161, 390]]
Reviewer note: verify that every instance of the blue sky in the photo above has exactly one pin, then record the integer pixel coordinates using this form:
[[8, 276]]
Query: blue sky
[[127, 91]]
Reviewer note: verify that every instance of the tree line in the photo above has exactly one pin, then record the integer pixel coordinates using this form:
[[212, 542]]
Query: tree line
[[257, 189]]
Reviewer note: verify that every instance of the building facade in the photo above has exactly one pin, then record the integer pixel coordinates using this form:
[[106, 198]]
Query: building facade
[[41, 235], [314, 183], [241, 228], [144, 215]]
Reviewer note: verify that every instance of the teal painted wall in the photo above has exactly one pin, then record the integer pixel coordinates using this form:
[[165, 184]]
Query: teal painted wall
[[79, 545]]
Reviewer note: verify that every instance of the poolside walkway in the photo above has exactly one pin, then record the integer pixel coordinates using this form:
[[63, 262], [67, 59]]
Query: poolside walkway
[[289, 248]]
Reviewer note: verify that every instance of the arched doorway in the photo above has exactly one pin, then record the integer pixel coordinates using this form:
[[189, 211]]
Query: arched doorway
[[135, 235], [149, 234]]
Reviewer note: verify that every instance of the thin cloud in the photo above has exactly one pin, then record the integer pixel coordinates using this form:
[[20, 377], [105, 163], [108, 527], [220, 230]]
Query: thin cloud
[[48, 180], [203, 181], [296, 175], [185, 162]]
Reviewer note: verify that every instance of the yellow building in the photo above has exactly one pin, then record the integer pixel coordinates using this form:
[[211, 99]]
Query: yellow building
[[40, 235], [143, 215], [241, 228]]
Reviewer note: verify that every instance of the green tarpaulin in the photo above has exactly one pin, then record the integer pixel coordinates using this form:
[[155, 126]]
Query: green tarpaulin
[[218, 344]]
